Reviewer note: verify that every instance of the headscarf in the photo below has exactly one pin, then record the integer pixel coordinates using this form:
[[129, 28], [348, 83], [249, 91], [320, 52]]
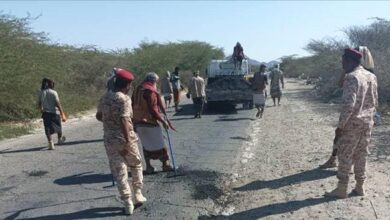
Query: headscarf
[[151, 77], [367, 61], [150, 81]]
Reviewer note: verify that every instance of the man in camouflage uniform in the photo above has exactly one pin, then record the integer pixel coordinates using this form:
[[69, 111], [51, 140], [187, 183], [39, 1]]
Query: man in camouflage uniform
[[353, 133], [368, 63], [120, 139]]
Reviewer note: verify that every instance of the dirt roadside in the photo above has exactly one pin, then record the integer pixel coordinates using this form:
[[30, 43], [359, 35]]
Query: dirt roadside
[[276, 174]]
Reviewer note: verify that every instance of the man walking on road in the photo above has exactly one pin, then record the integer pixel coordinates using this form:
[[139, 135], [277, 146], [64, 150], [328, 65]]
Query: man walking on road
[[166, 89], [52, 112], [197, 91], [176, 86], [353, 133], [276, 77], [120, 140], [259, 83], [148, 111]]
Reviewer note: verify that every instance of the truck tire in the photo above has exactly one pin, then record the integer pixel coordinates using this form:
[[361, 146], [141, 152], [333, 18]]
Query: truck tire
[[247, 105], [210, 106], [219, 106], [250, 106]]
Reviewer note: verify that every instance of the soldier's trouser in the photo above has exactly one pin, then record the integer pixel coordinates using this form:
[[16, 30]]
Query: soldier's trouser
[[119, 164], [353, 150]]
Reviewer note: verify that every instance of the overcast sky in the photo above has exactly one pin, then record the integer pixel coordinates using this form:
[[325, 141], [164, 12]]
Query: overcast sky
[[267, 29]]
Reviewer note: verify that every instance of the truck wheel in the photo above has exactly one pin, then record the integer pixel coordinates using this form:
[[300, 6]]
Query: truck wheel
[[247, 105], [210, 106], [250, 106]]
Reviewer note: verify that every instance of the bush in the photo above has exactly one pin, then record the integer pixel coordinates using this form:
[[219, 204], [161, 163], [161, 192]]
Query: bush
[[324, 64], [189, 56], [79, 73]]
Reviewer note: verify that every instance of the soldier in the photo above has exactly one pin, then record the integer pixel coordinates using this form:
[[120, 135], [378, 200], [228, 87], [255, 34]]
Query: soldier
[[353, 133], [120, 139], [368, 63], [276, 78]]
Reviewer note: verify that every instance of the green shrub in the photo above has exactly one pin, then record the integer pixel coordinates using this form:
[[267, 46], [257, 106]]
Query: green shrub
[[80, 73], [324, 65]]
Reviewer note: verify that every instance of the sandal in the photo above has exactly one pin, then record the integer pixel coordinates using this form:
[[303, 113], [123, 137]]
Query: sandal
[[149, 170], [167, 168]]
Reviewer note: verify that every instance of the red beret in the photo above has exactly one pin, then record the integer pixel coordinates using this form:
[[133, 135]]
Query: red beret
[[352, 53], [124, 74]]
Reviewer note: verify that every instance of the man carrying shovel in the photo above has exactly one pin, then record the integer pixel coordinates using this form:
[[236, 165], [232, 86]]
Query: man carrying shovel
[[148, 112]]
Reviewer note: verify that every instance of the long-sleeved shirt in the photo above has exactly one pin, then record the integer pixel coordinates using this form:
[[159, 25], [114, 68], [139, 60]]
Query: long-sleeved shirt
[[153, 105], [360, 98], [197, 87]]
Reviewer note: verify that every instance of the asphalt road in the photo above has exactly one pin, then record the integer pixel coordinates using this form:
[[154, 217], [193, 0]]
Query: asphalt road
[[74, 181]]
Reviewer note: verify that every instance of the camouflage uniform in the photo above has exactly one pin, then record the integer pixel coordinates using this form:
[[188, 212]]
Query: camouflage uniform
[[356, 121], [114, 107]]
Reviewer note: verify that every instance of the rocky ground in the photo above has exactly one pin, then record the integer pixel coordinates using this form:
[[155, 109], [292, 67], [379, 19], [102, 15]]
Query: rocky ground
[[232, 166], [278, 178]]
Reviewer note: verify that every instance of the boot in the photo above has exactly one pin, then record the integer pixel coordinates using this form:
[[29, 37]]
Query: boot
[[359, 188], [129, 208], [330, 163], [138, 197], [339, 192], [51, 145]]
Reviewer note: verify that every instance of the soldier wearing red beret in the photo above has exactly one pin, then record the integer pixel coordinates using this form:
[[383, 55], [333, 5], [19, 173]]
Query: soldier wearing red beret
[[120, 140], [353, 133]]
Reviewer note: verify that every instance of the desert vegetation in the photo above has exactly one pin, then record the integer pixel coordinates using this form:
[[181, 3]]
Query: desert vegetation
[[79, 72], [323, 67]]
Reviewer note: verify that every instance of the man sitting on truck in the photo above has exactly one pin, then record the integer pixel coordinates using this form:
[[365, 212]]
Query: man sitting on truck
[[238, 55]]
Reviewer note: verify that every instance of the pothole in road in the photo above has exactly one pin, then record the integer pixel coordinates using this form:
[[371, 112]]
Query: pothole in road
[[205, 184], [36, 173], [207, 191], [212, 185], [247, 138]]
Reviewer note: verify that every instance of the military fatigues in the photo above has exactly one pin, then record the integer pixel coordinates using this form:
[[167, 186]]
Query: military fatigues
[[114, 107], [356, 121]]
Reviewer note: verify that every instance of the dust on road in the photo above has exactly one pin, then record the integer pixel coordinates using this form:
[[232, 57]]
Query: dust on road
[[280, 180]]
